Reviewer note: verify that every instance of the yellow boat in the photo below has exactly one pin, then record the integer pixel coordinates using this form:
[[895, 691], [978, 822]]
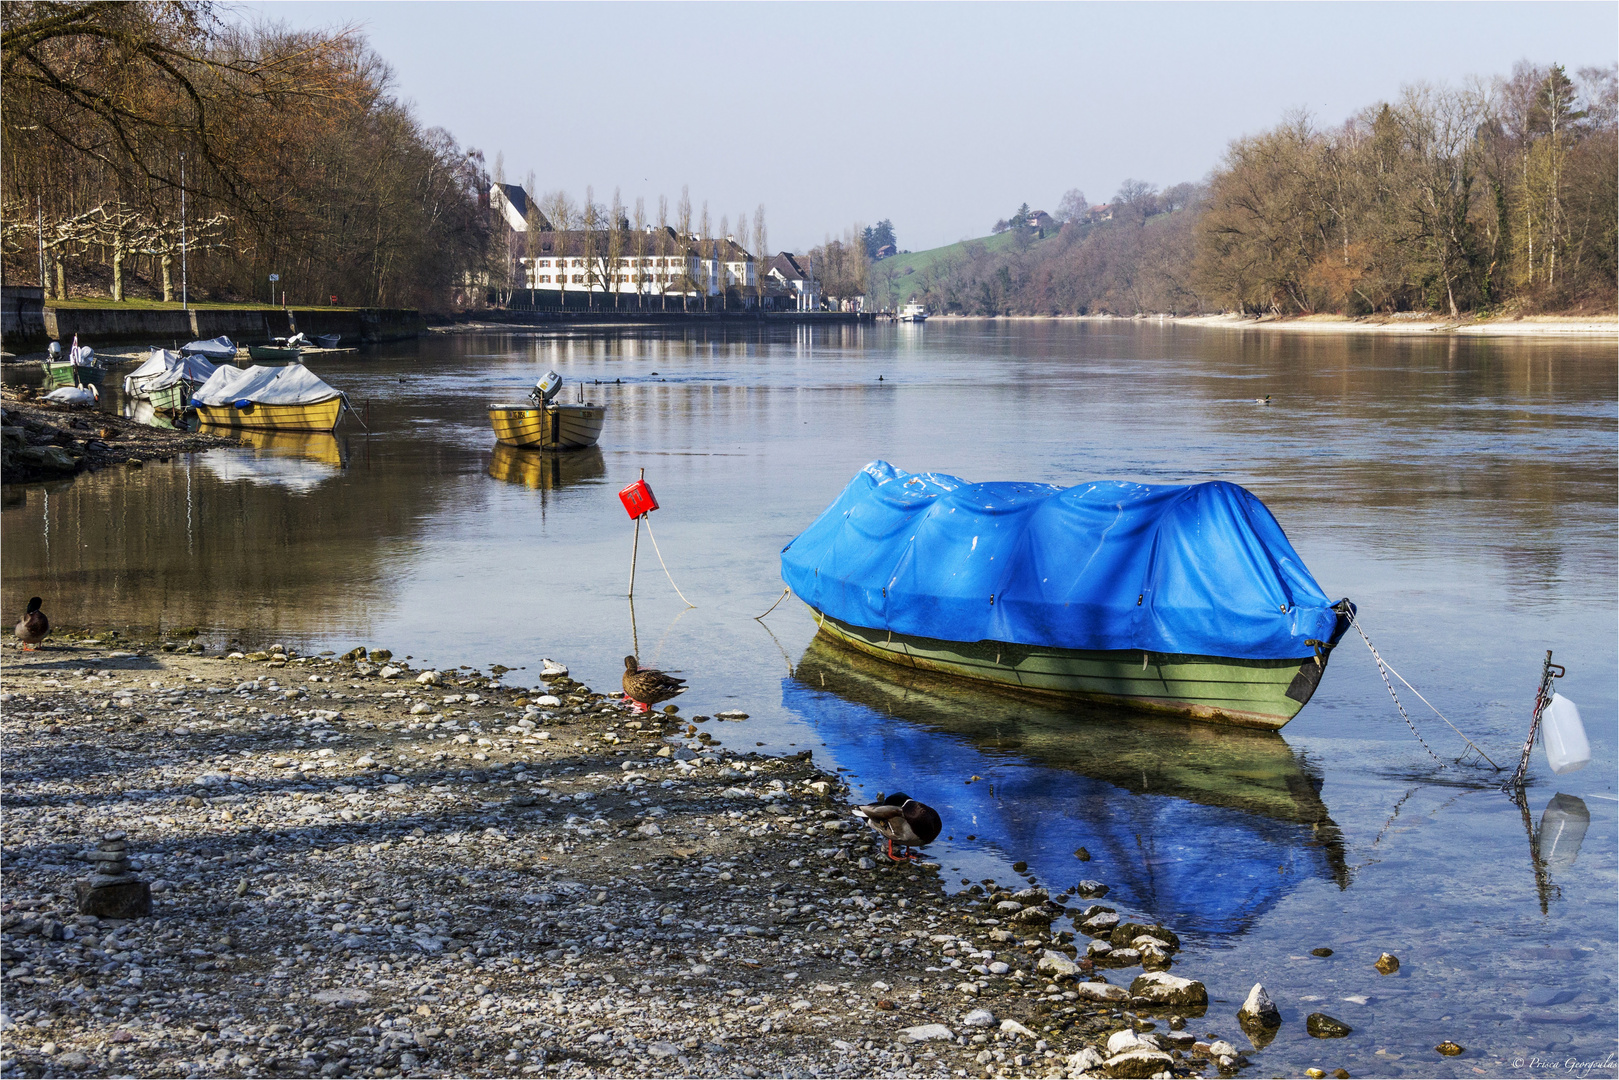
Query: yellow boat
[[543, 424], [319, 416], [290, 398]]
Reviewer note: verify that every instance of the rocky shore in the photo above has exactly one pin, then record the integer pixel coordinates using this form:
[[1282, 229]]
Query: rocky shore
[[43, 440], [360, 867]]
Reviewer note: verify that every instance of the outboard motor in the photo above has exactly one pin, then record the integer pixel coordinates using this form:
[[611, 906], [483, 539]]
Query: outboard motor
[[54, 350], [547, 388]]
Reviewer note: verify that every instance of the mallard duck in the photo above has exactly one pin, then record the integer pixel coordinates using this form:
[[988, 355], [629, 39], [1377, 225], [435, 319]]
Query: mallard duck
[[900, 817], [33, 626], [1262, 400], [648, 687]]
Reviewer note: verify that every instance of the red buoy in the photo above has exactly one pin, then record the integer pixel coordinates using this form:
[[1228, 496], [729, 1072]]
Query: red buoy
[[638, 499]]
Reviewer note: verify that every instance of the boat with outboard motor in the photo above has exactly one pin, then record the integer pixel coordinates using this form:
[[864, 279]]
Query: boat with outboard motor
[[547, 424], [1180, 599], [81, 366]]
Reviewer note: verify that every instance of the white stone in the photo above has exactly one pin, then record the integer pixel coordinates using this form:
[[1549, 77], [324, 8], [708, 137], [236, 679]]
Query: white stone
[[429, 678], [1012, 1027], [1259, 1008], [547, 701], [1094, 991], [390, 672], [1057, 965], [979, 1018], [927, 1032]]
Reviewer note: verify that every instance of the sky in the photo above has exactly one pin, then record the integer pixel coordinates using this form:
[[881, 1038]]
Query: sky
[[940, 118]]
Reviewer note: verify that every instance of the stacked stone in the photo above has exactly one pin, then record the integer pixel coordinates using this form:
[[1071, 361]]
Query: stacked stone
[[112, 891]]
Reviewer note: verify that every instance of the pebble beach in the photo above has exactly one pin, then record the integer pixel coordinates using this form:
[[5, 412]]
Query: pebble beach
[[360, 865]]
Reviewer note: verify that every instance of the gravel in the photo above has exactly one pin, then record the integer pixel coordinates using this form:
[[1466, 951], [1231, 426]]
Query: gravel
[[511, 882]]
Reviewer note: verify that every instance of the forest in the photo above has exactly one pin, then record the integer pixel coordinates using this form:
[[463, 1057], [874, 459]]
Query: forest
[[287, 149], [1498, 198]]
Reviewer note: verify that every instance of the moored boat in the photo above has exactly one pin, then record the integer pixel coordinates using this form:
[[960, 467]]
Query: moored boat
[[273, 352], [166, 380], [913, 312], [546, 424], [1185, 600], [290, 398], [219, 350], [82, 367]]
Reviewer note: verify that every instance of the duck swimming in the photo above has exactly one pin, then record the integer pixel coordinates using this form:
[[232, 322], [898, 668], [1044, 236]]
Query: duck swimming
[[901, 818], [33, 626], [647, 687]]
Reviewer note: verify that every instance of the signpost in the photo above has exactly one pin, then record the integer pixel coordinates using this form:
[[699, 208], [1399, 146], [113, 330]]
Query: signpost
[[273, 279]]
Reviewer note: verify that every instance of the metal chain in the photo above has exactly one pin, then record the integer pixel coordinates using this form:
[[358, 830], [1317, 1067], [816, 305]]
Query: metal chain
[[1382, 672]]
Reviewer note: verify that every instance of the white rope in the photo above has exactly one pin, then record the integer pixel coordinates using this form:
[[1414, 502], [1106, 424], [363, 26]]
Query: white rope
[[772, 607], [663, 564], [1436, 711]]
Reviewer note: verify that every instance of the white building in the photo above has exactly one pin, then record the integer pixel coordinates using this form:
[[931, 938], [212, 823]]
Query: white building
[[650, 263]]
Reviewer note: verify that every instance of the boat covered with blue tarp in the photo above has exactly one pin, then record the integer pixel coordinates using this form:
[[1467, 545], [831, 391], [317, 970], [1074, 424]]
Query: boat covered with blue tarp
[[1186, 598]]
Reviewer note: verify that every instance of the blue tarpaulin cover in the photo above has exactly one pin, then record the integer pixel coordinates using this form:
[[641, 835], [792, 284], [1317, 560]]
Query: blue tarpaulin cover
[[1200, 569]]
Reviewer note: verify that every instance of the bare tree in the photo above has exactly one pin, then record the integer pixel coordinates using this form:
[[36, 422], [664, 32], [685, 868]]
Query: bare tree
[[759, 239], [640, 251]]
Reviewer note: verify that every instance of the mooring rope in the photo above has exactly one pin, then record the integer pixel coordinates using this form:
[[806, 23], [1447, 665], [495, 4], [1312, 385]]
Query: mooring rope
[[1383, 672], [772, 607], [666, 573]]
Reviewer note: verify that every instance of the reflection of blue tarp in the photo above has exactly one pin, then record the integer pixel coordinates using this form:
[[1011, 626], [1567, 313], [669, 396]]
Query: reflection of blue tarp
[[1202, 569], [1201, 869]]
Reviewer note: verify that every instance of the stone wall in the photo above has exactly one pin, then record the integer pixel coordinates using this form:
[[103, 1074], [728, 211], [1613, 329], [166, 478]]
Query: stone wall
[[107, 325]]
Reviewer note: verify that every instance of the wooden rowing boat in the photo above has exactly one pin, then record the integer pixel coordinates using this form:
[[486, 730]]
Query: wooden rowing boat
[[1244, 693], [547, 427], [315, 416]]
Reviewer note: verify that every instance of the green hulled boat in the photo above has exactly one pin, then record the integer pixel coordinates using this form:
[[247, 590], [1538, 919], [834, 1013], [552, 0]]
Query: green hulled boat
[[66, 373], [1246, 693], [273, 352], [1186, 599]]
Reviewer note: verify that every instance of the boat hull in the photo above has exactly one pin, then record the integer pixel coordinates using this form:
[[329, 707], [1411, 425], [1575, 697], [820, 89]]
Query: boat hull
[[1262, 694], [319, 416], [549, 427], [273, 352], [66, 374]]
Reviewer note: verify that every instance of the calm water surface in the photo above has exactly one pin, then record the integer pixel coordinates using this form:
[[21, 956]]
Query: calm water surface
[[1461, 492]]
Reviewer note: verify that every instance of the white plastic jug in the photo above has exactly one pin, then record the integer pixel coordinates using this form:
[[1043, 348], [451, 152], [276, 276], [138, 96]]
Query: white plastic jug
[[1567, 748]]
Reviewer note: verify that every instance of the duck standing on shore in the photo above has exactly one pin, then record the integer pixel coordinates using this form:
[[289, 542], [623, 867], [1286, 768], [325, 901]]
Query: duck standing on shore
[[647, 687], [901, 818], [33, 626]]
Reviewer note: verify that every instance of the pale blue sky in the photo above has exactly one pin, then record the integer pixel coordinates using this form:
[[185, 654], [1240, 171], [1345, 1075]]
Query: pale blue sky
[[941, 117]]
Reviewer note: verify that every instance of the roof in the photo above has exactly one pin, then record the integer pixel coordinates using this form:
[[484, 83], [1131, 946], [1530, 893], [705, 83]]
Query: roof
[[513, 202], [786, 266], [572, 242]]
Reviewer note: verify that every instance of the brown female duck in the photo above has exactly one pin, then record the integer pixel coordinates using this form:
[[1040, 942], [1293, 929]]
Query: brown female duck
[[900, 818], [33, 626], [648, 687]]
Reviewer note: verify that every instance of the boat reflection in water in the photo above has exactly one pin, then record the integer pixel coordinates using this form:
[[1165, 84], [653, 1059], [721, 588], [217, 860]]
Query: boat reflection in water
[[546, 470], [298, 461], [1203, 826]]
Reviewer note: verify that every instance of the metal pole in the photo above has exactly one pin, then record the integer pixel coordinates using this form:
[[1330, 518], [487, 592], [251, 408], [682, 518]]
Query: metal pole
[[184, 302], [636, 549]]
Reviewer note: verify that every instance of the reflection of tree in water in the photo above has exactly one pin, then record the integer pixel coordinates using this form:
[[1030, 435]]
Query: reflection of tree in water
[[1203, 825], [177, 545]]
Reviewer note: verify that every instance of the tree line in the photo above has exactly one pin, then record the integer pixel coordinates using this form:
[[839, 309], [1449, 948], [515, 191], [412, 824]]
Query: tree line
[[1496, 197], [289, 150]]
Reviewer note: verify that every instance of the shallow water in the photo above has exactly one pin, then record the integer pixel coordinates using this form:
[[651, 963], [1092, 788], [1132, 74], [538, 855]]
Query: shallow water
[[1461, 492]]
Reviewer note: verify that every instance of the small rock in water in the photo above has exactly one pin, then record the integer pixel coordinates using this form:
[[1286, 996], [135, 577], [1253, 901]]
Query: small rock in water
[[1259, 1009], [1090, 888], [1161, 988], [1323, 1026], [1321, 952], [1082, 854], [1387, 964], [1449, 1049]]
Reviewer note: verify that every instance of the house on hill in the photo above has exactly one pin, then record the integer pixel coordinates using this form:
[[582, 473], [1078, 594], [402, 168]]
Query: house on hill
[[1039, 219]]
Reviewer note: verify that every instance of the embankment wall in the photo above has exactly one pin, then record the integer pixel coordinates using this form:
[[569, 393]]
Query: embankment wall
[[108, 325]]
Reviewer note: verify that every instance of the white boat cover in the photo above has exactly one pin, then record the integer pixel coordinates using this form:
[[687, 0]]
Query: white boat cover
[[163, 369], [215, 349], [290, 385]]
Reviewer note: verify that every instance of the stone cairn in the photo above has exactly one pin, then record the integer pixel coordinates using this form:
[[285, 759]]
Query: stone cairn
[[112, 891]]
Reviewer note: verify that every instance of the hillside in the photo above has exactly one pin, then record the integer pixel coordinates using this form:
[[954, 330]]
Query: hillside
[[896, 280]]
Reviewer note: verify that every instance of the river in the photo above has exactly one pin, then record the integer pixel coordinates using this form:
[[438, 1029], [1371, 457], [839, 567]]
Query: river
[[1462, 492]]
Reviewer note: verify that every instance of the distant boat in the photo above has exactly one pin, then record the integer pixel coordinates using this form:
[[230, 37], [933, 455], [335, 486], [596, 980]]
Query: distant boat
[[328, 341], [290, 398], [220, 350], [913, 312], [166, 380], [273, 352], [1186, 600], [545, 424]]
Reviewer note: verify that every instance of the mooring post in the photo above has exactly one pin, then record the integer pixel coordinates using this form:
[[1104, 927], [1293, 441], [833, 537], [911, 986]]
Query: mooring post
[[636, 548]]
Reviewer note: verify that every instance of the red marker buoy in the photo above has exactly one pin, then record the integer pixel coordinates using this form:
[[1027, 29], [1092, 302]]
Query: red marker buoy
[[638, 502]]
